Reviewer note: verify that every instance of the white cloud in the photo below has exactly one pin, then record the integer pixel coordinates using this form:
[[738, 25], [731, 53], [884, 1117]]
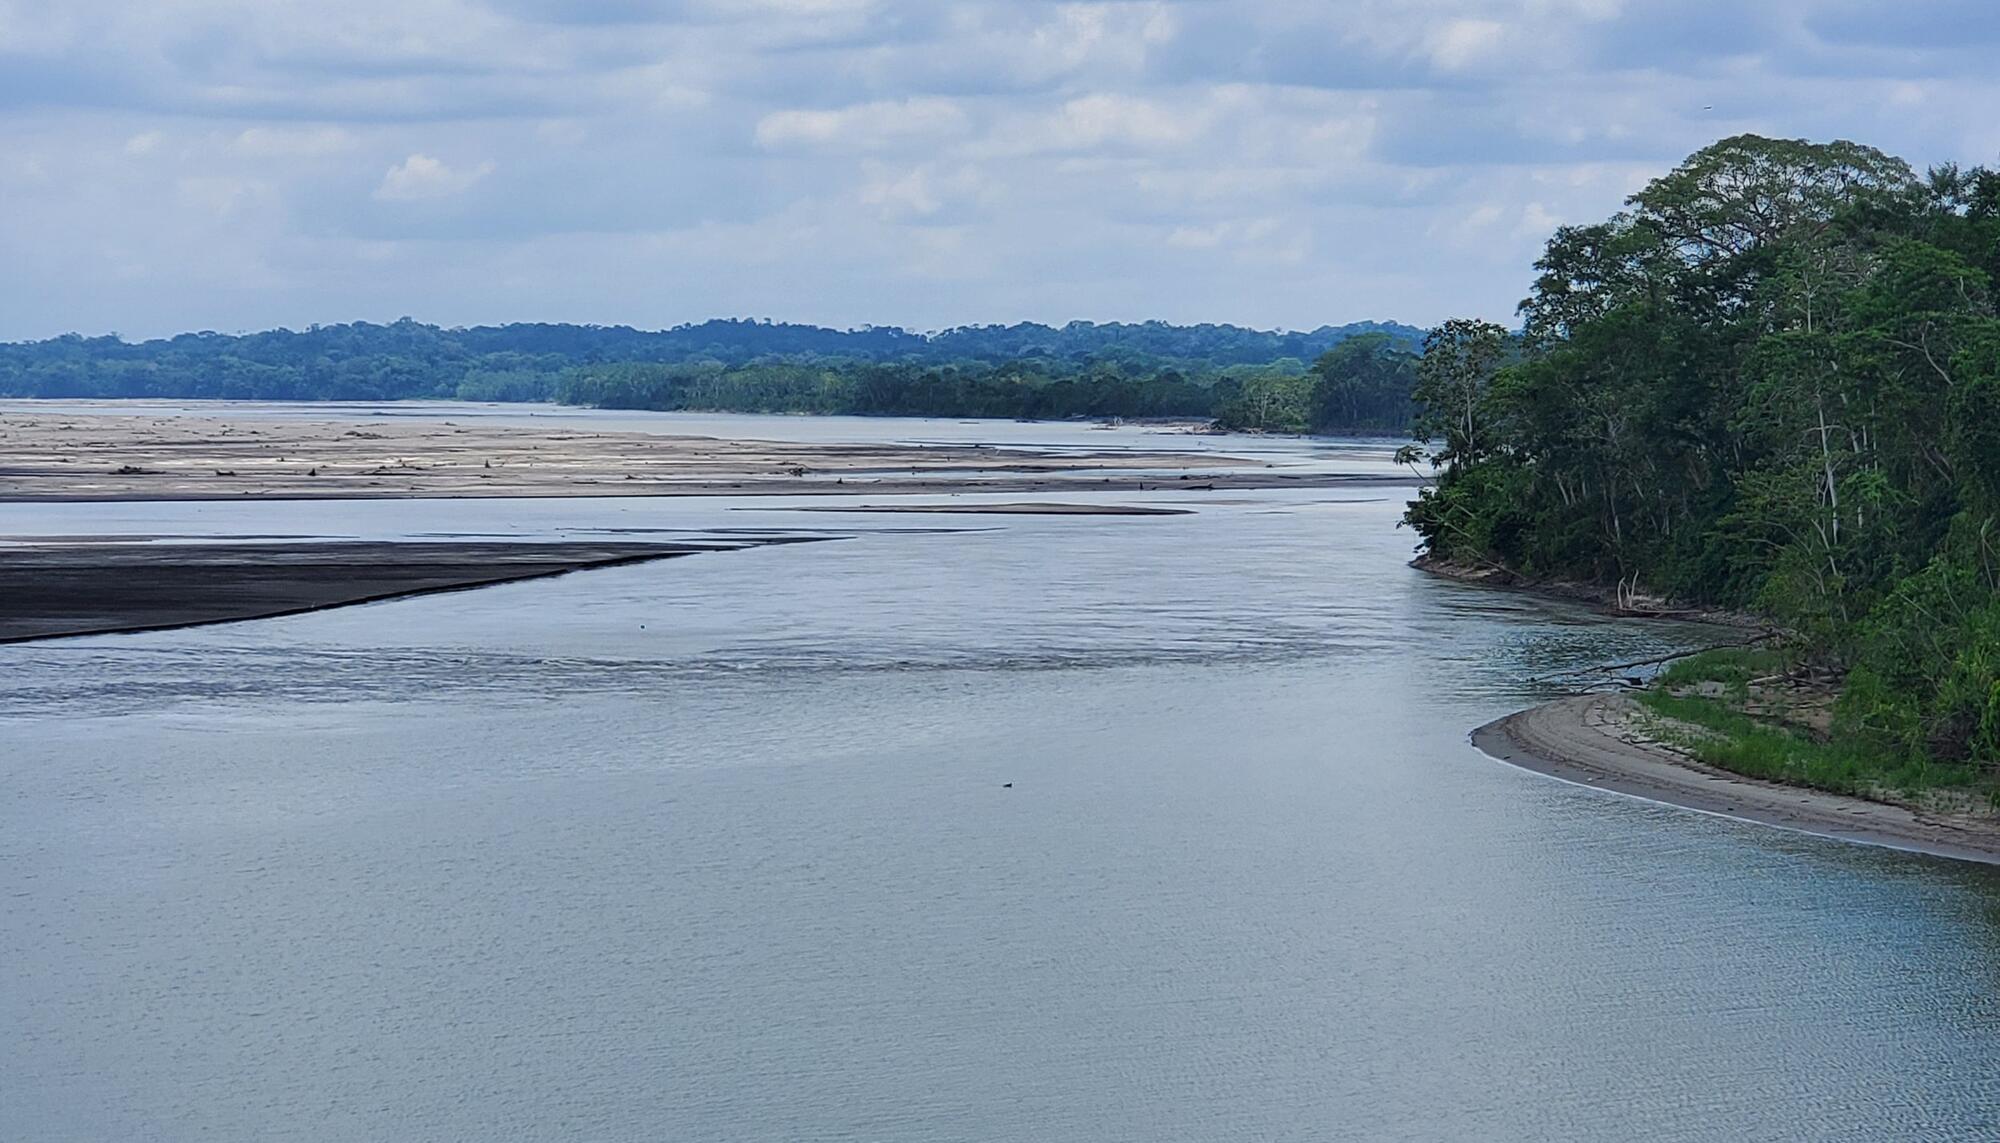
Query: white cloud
[[1465, 224], [1249, 239], [292, 142], [967, 161], [23, 170], [423, 177], [1097, 122], [222, 195], [1094, 120], [1461, 43], [1906, 94], [901, 193], [920, 191], [864, 126], [1082, 35], [1537, 221]]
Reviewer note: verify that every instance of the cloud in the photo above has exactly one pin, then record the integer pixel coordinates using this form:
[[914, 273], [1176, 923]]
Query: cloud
[[866, 126], [293, 142], [1251, 240], [924, 191], [1097, 123], [1464, 42], [1265, 161], [422, 177]]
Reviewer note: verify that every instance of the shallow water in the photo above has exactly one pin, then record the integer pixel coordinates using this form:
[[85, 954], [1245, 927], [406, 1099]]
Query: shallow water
[[720, 848]]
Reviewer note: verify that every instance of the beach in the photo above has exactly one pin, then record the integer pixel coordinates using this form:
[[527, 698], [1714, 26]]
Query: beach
[[1603, 741]]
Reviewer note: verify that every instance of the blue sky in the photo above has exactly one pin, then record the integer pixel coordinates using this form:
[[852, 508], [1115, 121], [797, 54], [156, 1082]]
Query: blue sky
[[238, 164]]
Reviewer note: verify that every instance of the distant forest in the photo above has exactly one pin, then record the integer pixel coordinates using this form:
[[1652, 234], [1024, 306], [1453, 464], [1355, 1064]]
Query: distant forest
[[1352, 378]]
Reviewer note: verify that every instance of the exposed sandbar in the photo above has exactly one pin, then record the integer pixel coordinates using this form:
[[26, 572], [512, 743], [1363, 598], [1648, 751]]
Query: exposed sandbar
[[107, 456], [94, 588], [1599, 740]]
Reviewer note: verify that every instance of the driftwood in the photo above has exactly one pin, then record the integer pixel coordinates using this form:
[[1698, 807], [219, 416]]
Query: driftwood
[[1613, 668], [1657, 659]]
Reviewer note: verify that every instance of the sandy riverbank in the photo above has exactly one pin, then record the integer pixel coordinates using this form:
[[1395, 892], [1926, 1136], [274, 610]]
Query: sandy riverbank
[[54, 590], [74, 457], [1600, 740]]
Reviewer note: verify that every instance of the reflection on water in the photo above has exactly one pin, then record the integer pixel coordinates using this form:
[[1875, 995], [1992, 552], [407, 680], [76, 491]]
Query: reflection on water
[[721, 848]]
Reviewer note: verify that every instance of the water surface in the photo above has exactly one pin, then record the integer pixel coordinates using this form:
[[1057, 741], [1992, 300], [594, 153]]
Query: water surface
[[721, 848]]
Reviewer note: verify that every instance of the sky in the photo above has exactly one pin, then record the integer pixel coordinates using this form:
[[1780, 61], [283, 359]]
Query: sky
[[241, 164]]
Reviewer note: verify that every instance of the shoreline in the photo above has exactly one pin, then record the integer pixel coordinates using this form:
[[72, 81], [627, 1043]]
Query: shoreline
[[1593, 740], [588, 489], [1595, 595]]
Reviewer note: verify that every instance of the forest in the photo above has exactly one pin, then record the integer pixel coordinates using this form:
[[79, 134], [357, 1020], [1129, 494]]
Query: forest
[[1772, 382], [1361, 385], [1352, 378]]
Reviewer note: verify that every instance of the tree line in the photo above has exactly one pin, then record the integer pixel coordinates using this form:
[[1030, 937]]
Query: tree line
[[1772, 382], [1251, 379], [1362, 385]]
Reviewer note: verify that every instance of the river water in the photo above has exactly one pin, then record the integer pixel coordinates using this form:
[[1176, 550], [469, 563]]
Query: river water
[[724, 848]]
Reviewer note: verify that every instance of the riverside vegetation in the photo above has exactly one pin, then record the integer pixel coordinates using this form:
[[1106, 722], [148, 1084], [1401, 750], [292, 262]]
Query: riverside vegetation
[[1772, 383], [1354, 378]]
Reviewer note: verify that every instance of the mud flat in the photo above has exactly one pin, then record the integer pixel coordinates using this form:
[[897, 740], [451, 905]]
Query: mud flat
[[87, 456], [54, 590], [1603, 741]]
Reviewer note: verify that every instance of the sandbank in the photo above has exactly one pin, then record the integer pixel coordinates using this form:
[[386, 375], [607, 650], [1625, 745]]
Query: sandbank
[[121, 456], [1600, 740], [54, 590]]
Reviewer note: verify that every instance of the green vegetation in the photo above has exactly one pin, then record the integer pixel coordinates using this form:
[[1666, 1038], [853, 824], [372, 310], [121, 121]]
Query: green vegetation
[[1729, 739], [1248, 379], [1774, 383], [1733, 668], [1364, 385], [956, 389]]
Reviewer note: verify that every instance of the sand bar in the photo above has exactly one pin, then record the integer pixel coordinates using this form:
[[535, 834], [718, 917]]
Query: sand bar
[[1600, 740], [78, 457], [95, 588]]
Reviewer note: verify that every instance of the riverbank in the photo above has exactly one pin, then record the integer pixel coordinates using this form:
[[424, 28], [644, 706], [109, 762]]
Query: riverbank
[[56, 590], [1610, 742], [1610, 600], [66, 456]]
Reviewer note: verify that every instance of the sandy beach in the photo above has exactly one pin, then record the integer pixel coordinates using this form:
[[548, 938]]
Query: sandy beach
[[79, 456], [1600, 740]]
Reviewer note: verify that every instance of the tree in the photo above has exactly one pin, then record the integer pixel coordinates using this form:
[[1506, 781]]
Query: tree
[[1772, 382], [1460, 360], [1364, 384]]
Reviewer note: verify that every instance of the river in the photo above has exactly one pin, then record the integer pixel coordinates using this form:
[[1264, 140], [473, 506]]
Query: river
[[986, 828]]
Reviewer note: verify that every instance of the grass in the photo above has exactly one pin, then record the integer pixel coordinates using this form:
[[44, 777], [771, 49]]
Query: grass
[[1733, 667], [1729, 739]]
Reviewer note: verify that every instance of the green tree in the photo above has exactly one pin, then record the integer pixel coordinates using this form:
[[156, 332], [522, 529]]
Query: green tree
[[1460, 360], [1365, 384]]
